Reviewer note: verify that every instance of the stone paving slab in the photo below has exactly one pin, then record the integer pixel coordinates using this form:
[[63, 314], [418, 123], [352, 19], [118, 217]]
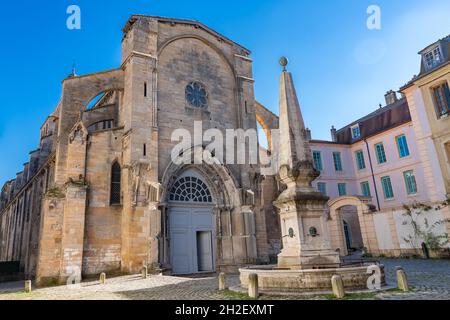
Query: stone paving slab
[[430, 279]]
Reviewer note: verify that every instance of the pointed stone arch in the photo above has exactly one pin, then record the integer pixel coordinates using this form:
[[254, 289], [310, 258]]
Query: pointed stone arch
[[218, 177], [201, 39], [268, 122]]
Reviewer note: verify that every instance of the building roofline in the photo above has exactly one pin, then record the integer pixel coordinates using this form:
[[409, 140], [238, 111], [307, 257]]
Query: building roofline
[[328, 142], [135, 17], [433, 44], [365, 138], [416, 78], [372, 114]]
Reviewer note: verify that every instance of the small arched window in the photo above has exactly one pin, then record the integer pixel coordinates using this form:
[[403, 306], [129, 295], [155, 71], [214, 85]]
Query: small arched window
[[115, 184]]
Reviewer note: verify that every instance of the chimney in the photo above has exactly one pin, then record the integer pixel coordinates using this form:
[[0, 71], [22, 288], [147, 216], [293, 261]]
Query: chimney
[[308, 134], [391, 97], [333, 134]]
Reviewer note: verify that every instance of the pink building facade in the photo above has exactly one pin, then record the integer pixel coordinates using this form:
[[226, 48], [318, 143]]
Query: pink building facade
[[377, 159]]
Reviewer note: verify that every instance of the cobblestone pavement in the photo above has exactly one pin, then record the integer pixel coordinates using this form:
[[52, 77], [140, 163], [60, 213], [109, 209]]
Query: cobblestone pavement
[[430, 279]]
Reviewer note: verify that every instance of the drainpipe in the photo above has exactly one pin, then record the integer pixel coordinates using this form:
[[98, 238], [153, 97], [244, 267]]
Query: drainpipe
[[373, 175]]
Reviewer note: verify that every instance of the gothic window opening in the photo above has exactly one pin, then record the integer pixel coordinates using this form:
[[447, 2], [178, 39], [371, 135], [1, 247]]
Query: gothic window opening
[[190, 189], [115, 184], [196, 95]]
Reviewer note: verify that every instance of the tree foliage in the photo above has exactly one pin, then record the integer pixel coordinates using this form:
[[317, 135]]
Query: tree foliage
[[425, 232]]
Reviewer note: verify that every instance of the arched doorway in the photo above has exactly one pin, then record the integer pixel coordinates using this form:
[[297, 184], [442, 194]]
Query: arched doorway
[[349, 227], [191, 225]]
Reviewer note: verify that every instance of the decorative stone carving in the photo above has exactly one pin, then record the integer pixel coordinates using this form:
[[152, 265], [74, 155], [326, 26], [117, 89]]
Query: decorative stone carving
[[248, 197], [79, 133]]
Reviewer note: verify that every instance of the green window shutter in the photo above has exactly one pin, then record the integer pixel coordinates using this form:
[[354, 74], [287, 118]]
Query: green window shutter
[[317, 156], [387, 188], [365, 188], [402, 146], [381, 154], [361, 163], [322, 188], [410, 181], [342, 189], [337, 161], [447, 97]]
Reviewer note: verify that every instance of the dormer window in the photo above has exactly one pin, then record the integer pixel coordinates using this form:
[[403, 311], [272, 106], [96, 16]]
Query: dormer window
[[356, 132], [433, 58]]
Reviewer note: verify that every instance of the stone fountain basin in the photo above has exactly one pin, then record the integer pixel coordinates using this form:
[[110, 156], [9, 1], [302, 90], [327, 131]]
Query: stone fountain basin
[[272, 280]]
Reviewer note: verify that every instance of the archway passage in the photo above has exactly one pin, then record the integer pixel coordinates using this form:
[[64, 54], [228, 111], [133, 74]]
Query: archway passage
[[352, 229], [348, 226], [191, 223]]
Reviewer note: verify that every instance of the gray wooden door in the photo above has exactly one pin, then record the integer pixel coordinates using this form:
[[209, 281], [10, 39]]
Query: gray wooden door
[[191, 240]]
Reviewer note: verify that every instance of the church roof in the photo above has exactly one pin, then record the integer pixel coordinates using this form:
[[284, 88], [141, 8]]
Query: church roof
[[135, 17]]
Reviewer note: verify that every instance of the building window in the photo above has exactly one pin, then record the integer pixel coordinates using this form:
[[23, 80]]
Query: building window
[[115, 184], [342, 187], [190, 189], [442, 99], [337, 161], [402, 146], [360, 162], [322, 188], [433, 58], [356, 132], [317, 155], [387, 188], [196, 95], [365, 189], [410, 180], [381, 154]]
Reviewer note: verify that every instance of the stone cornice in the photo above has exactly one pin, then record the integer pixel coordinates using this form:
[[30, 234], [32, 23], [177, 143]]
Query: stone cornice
[[137, 54], [243, 78]]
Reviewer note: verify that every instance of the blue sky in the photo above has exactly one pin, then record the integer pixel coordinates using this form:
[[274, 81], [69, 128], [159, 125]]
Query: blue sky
[[341, 68]]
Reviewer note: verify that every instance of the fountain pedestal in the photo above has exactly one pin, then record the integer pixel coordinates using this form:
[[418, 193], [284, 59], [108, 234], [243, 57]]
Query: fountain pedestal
[[302, 209]]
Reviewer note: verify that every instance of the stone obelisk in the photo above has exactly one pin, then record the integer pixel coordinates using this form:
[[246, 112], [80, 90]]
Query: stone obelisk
[[302, 208]]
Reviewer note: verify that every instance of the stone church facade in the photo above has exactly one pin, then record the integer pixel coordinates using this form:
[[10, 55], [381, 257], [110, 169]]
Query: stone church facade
[[102, 194]]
